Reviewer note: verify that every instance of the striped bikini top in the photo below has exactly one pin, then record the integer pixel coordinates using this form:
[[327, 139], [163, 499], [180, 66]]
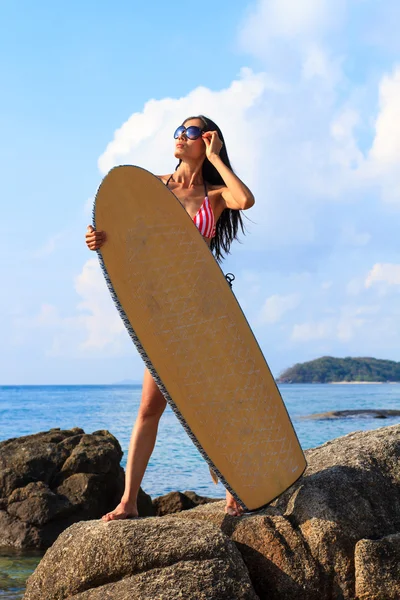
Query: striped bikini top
[[204, 218]]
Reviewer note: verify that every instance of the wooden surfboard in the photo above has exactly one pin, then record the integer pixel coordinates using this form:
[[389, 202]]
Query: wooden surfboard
[[193, 336]]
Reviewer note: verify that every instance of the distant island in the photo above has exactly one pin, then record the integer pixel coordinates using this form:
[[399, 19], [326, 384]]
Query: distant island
[[342, 370]]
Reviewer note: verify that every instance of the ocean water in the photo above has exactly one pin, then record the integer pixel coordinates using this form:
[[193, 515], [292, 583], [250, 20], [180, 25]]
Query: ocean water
[[175, 463]]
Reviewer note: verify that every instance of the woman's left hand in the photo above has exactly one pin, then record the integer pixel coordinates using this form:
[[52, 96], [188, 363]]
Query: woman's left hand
[[212, 142]]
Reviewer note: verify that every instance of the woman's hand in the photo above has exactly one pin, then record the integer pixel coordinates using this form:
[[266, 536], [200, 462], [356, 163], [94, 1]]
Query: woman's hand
[[94, 239], [212, 142]]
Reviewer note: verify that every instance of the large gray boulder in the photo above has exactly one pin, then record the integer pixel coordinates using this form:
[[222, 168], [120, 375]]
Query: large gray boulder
[[153, 558], [52, 479]]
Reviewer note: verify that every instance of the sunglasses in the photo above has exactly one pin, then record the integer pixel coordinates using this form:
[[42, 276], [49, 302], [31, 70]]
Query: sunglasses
[[192, 132]]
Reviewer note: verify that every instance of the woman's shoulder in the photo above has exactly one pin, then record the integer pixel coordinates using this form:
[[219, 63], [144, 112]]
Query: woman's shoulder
[[163, 178]]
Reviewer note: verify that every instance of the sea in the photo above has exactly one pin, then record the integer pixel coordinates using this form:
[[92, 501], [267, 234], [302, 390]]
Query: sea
[[175, 463]]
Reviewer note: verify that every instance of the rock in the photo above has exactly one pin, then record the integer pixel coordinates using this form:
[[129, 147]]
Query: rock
[[333, 534], [302, 547], [37, 504], [200, 580], [177, 501], [377, 413], [198, 500], [350, 491], [280, 555], [151, 558], [377, 566], [52, 479], [172, 503], [277, 557]]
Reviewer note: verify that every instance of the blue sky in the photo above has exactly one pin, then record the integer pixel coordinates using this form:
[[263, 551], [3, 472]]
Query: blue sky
[[308, 96]]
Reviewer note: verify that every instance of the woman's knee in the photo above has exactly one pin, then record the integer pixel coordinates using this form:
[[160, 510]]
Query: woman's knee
[[152, 403]]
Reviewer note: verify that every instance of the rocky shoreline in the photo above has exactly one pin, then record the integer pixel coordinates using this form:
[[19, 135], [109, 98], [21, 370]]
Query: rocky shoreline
[[334, 534], [52, 479]]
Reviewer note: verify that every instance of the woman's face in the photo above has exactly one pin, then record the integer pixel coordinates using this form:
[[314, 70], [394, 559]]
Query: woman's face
[[190, 149]]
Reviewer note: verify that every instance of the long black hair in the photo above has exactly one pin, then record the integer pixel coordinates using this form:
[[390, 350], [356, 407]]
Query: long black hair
[[229, 221]]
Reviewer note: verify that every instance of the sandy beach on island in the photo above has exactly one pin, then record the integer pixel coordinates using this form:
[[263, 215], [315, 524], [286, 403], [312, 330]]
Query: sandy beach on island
[[362, 382]]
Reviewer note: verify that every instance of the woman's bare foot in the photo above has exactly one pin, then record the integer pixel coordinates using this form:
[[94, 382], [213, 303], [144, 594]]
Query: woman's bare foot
[[232, 507], [124, 510]]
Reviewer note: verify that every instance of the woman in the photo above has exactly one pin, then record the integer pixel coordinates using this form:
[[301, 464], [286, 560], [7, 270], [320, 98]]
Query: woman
[[213, 196]]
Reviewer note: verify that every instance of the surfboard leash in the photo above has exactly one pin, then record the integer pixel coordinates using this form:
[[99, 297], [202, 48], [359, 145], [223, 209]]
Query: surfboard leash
[[230, 277]]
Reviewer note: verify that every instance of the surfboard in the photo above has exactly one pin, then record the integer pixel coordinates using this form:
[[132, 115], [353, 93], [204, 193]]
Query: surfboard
[[193, 336]]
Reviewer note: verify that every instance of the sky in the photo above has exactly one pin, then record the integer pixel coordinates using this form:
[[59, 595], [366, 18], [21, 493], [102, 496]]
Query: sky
[[307, 94]]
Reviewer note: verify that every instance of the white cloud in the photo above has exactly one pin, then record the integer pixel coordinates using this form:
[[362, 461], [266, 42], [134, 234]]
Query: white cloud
[[355, 286], [382, 166], [344, 325], [295, 144], [288, 20], [98, 314], [292, 38], [50, 246], [344, 151], [388, 273], [146, 138], [306, 332], [45, 319], [88, 206], [276, 306], [348, 323], [95, 326], [55, 332], [350, 236], [48, 316], [318, 64], [248, 286], [385, 150], [366, 310]]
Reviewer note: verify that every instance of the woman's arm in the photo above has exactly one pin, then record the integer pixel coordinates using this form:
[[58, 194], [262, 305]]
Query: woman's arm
[[236, 194]]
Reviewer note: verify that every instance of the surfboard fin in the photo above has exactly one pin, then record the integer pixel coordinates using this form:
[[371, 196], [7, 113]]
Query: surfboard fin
[[213, 475]]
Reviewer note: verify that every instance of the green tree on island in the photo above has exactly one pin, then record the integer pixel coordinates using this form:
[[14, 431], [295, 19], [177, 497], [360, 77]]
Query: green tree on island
[[328, 369]]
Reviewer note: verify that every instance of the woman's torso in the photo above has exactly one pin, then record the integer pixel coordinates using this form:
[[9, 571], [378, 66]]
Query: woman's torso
[[193, 199]]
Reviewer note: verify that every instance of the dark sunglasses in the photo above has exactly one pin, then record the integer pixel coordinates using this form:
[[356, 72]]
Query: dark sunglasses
[[192, 132]]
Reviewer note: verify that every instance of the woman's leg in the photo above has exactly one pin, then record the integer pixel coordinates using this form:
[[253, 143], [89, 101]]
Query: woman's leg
[[141, 446]]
